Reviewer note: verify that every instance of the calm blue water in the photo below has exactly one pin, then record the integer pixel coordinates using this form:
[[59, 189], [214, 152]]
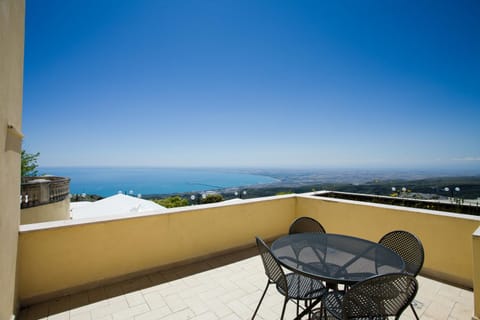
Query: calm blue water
[[108, 181]]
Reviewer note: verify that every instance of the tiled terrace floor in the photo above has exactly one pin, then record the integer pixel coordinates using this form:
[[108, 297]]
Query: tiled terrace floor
[[227, 287]]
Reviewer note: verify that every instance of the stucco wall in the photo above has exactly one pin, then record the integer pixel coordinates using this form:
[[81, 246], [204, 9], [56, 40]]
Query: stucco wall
[[476, 275], [48, 212], [61, 257], [447, 238], [12, 15]]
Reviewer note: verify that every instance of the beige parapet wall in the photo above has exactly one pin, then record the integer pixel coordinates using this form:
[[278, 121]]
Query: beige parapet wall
[[446, 237], [57, 258]]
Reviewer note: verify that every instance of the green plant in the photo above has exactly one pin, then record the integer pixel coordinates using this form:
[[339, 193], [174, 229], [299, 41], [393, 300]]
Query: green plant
[[29, 164], [172, 202], [211, 198]]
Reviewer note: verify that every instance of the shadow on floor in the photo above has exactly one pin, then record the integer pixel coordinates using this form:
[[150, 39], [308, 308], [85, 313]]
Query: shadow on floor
[[55, 307]]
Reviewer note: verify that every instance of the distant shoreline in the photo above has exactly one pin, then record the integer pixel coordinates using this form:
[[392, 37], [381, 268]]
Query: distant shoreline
[[109, 181], [162, 182], [469, 187]]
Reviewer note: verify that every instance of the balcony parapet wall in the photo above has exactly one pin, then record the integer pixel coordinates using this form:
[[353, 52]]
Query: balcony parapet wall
[[37, 191], [65, 257]]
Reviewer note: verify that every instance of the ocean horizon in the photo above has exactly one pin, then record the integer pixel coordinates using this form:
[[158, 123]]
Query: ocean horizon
[[108, 181]]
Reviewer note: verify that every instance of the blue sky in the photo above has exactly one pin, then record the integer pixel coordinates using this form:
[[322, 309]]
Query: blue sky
[[253, 83]]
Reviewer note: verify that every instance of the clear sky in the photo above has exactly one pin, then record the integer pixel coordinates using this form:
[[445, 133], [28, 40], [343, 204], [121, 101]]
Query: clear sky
[[253, 83]]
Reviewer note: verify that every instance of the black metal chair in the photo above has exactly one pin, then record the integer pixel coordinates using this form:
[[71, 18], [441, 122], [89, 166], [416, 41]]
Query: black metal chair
[[292, 286], [305, 224], [376, 298], [410, 248]]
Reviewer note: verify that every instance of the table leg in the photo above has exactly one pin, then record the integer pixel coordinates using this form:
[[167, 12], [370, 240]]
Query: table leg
[[308, 309]]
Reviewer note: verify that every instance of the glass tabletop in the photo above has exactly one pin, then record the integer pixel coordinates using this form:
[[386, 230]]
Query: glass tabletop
[[335, 258]]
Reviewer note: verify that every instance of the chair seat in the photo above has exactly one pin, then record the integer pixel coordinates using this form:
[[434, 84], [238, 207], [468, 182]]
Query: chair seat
[[333, 303], [303, 288], [374, 298], [292, 286]]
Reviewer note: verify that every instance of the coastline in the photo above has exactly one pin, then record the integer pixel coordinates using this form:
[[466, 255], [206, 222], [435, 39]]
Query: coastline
[[161, 182], [107, 181], [428, 188]]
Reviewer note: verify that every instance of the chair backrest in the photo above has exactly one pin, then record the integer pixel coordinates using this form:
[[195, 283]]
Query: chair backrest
[[305, 224], [273, 270], [379, 297], [407, 246]]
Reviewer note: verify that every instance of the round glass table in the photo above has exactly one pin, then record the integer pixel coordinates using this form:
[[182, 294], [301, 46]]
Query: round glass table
[[335, 258]]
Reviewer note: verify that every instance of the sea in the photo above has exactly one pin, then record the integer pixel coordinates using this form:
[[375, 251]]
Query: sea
[[108, 181]]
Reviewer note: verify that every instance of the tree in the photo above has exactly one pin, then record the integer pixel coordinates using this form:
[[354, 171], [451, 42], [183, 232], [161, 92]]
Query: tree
[[172, 202], [29, 164], [211, 198]]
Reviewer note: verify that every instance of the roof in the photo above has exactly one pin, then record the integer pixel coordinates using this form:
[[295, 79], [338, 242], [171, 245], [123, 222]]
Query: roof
[[117, 205], [234, 200]]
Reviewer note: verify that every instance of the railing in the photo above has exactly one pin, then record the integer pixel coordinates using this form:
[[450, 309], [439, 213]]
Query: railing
[[36, 191], [471, 209]]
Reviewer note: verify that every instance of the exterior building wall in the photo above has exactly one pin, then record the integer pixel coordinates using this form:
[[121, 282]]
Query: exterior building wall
[[47, 212], [476, 275], [12, 16]]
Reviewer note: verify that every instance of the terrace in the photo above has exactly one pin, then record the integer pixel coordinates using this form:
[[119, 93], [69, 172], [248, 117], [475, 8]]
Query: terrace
[[194, 262], [200, 262], [225, 287]]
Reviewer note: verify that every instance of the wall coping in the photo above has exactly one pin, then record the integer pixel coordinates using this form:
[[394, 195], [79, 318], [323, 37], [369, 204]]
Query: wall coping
[[317, 195], [476, 234], [73, 223], [310, 195]]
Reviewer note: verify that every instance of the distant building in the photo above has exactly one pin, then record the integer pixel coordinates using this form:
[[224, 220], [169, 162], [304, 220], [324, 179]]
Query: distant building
[[117, 205], [44, 199]]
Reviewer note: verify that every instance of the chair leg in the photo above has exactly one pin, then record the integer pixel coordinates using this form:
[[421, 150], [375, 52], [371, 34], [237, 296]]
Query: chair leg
[[261, 299], [306, 306], [323, 311], [284, 306], [414, 312]]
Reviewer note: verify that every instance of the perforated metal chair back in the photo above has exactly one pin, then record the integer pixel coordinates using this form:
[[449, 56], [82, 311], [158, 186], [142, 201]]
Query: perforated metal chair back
[[272, 268], [379, 297], [407, 246], [305, 224]]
